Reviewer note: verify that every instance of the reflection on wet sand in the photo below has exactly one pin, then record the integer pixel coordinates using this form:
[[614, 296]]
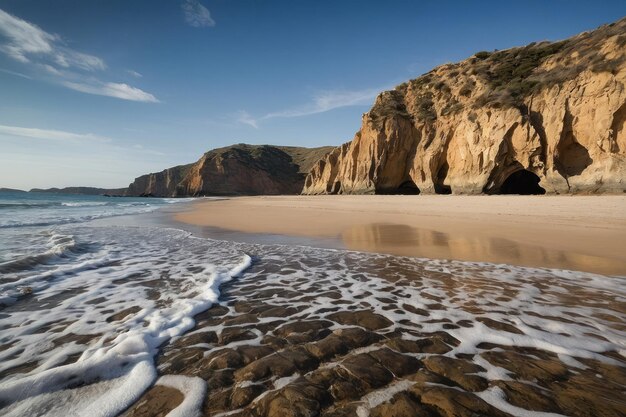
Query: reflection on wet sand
[[404, 240]]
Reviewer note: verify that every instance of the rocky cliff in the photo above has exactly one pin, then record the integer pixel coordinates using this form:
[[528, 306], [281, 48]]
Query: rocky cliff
[[547, 117], [234, 170], [159, 184]]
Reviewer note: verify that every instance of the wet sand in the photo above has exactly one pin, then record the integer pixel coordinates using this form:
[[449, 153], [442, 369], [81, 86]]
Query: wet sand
[[319, 334], [584, 233]]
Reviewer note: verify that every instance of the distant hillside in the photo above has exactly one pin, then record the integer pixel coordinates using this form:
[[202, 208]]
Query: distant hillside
[[11, 190], [234, 170], [81, 190]]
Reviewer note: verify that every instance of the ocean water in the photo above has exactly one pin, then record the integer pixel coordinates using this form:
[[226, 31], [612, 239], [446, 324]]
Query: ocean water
[[86, 310], [43, 209]]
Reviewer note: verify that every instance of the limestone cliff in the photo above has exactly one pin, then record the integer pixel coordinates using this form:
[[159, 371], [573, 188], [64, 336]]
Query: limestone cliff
[[234, 170], [547, 117]]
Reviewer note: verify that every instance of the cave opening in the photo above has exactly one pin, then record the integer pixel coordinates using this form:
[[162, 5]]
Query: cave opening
[[522, 182], [442, 174], [408, 188]]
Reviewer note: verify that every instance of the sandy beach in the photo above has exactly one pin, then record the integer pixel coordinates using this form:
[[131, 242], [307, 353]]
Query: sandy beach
[[586, 233]]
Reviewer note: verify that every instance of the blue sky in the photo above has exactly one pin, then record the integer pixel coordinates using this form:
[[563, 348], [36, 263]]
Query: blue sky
[[96, 93]]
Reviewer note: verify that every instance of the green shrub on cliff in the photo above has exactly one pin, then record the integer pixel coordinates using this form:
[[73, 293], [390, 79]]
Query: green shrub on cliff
[[389, 103], [505, 78]]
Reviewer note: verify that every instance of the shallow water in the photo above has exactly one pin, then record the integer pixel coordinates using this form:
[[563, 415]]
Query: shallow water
[[93, 316], [404, 240]]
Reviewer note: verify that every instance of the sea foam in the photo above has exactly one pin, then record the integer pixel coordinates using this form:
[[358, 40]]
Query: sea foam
[[73, 301]]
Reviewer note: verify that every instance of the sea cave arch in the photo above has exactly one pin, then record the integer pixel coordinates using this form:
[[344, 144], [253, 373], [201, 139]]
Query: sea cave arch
[[407, 187], [522, 182]]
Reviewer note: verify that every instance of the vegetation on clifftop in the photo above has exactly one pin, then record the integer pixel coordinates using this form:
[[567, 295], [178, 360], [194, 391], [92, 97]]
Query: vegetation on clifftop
[[500, 78]]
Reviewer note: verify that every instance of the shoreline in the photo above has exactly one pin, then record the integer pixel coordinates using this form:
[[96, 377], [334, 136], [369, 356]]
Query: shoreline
[[582, 233]]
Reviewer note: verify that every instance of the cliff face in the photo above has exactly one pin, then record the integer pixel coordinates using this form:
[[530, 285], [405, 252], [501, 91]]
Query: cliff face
[[235, 170], [159, 184], [548, 117]]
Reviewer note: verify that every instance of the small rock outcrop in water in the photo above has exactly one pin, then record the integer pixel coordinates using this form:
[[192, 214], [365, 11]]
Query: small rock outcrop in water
[[234, 170], [547, 117]]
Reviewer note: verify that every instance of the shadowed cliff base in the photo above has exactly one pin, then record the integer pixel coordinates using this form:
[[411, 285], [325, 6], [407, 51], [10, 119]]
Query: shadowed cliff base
[[569, 232]]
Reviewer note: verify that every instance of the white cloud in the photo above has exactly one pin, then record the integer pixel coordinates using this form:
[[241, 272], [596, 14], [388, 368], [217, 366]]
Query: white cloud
[[29, 44], [67, 58], [330, 100], [26, 42], [140, 148], [52, 70], [23, 38], [48, 134], [117, 90], [72, 138], [245, 118], [17, 74], [196, 14], [321, 103], [134, 73]]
